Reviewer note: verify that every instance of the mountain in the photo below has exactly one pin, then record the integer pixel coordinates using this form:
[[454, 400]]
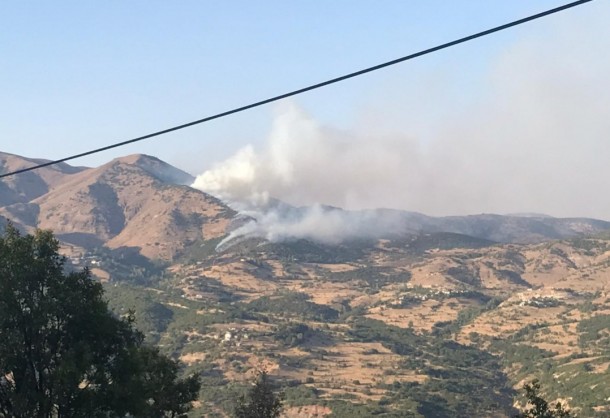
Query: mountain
[[17, 192], [389, 223], [505, 228], [30, 185], [424, 317], [519, 229], [136, 201]]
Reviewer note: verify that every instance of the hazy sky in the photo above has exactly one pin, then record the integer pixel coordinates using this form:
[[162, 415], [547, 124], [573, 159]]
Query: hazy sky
[[472, 129]]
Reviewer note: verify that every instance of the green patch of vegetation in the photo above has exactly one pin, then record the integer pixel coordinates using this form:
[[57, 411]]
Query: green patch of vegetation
[[127, 265], [210, 287], [298, 334], [301, 395], [446, 241], [199, 251], [310, 252], [151, 316], [375, 277], [166, 317], [297, 304], [464, 275], [590, 246], [561, 377], [465, 316], [512, 276], [595, 331]]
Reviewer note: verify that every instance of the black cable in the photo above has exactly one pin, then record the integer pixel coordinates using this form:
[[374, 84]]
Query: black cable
[[305, 89]]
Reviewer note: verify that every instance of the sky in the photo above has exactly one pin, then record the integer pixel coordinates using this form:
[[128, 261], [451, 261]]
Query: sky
[[513, 122]]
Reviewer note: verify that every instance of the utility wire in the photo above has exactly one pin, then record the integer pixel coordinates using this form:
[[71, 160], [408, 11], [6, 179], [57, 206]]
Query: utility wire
[[306, 89]]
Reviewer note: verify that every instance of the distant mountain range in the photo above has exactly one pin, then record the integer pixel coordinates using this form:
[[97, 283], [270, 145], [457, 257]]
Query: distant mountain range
[[518, 228], [142, 202]]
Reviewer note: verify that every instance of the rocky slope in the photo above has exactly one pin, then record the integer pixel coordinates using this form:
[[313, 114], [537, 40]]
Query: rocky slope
[[136, 201]]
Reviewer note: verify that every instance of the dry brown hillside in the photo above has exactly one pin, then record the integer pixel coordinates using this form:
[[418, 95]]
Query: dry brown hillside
[[27, 186], [541, 310], [135, 201], [17, 192]]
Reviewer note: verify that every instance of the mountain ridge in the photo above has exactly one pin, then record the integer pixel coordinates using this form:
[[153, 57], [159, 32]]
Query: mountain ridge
[[135, 201], [142, 202]]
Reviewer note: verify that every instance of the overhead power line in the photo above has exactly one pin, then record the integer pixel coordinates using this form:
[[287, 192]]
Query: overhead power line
[[306, 89]]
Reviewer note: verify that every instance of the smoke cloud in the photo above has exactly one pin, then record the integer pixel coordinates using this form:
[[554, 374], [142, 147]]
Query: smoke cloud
[[305, 163], [317, 223], [533, 141]]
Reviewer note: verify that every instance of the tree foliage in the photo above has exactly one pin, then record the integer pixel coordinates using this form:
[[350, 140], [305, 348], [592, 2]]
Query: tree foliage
[[63, 354], [539, 406], [261, 401]]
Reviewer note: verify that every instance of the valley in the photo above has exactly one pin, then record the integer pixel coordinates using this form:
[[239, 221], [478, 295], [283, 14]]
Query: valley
[[443, 317]]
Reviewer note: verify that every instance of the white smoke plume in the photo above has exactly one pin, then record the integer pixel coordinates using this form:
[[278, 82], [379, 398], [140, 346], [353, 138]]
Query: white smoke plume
[[305, 163], [535, 141], [316, 223]]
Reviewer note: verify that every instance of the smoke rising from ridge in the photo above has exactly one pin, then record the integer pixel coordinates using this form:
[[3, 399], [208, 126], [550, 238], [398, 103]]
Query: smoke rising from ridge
[[304, 164], [534, 141], [316, 223]]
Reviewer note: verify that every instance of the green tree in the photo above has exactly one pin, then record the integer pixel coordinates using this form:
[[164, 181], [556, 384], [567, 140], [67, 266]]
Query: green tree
[[261, 401], [64, 354], [539, 406]]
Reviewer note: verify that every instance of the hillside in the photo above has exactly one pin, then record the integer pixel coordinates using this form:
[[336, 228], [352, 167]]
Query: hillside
[[17, 192], [132, 202], [137, 202], [441, 325], [440, 317], [517, 229], [30, 185]]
